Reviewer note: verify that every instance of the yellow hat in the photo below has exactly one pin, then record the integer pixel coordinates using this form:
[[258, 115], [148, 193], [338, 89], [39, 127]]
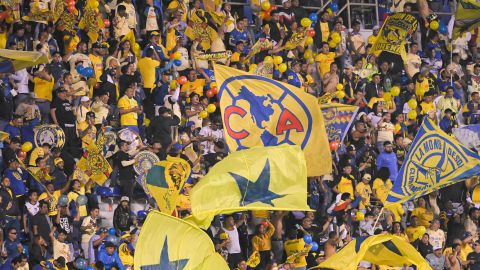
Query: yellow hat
[[223, 236], [57, 161]]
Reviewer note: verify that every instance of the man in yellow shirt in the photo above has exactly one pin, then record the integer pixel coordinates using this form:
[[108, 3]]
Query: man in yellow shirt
[[43, 87], [97, 60], [296, 250], [363, 188], [129, 109], [147, 66], [87, 131], [382, 186], [428, 107], [325, 58], [345, 183], [194, 85]]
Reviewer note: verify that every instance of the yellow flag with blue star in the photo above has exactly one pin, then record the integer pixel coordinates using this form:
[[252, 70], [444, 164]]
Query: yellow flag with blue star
[[259, 111], [262, 178], [435, 160], [383, 249], [169, 243]]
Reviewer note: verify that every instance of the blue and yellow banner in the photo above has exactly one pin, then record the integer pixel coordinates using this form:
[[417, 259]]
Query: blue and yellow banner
[[435, 160], [395, 32], [261, 178], [384, 249], [258, 111], [338, 118], [166, 242], [165, 180]]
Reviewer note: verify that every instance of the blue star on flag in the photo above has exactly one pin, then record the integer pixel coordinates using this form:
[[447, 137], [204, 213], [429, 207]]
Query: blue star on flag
[[257, 191], [165, 263]]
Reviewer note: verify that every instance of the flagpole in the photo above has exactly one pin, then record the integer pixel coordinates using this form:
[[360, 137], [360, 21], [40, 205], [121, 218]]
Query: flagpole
[[376, 221]]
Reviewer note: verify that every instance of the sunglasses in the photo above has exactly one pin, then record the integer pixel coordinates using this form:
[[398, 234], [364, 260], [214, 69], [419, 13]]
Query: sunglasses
[[13, 233]]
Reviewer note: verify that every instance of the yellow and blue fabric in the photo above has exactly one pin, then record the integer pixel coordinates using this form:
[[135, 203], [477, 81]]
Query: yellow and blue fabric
[[13, 60], [338, 118], [393, 35], [467, 17], [259, 111], [261, 178], [94, 163], [165, 180], [383, 249], [166, 242], [435, 160]]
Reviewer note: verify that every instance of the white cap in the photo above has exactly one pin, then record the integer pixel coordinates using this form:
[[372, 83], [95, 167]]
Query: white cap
[[376, 27], [84, 99], [124, 198], [284, 1]]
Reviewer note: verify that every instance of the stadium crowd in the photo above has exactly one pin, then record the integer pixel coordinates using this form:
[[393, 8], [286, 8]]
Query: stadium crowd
[[144, 73]]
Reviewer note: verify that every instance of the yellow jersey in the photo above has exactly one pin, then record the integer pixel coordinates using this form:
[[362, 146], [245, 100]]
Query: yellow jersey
[[147, 67], [324, 61], [194, 87], [128, 119], [52, 202], [382, 188], [43, 88]]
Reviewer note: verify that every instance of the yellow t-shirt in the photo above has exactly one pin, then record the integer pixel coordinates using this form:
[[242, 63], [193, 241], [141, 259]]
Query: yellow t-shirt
[[346, 185], [147, 67], [125, 255], [52, 201], [91, 137], [382, 188], [397, 211], [324, 61], [427, 107], [365, 192], [424, 216], [195, 86], [128, 119], [325, 31], [296, 246], [72, 196], [421, 87], [36, 153], [43, 88], [97, 62]]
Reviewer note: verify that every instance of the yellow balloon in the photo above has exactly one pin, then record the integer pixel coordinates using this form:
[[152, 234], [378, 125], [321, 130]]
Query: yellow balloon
[[173, 84], [306, 22], [213, 84], [339, 87], [412, 103], [26, 147], [277, 60], [340, 94], [177, 55], [308, 54], [359, 216], [268, 60], [412, 115], [395, 91], [266, 5], [336, 37], [282, 67], [203, 114], [308, 41], [387, 96], [332, 44], [211, 108], [434, 25]]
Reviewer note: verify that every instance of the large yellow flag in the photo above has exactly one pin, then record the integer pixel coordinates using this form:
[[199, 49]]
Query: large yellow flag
[[394, 33], [467, 17], [258, 111], [13, 60], [261, 178], [94, 164], [166, 242], [435, 160], [165, 180], [383, 249]]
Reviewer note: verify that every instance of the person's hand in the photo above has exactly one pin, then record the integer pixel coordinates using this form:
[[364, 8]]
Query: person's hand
[[9, 205]]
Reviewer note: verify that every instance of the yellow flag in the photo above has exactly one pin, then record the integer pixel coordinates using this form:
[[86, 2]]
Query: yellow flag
[[166, 242], [297, 39], [383, 249], [19, 60], [94, 164], [165, 180], [394, 33], [467, 17], [261, 178], [258, 111], [435, 160]]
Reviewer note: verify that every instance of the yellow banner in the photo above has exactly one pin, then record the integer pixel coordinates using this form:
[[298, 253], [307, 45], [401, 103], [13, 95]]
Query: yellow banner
[[166, 242], [261, 45], [467, 17], [394, 33], [258, 111]]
